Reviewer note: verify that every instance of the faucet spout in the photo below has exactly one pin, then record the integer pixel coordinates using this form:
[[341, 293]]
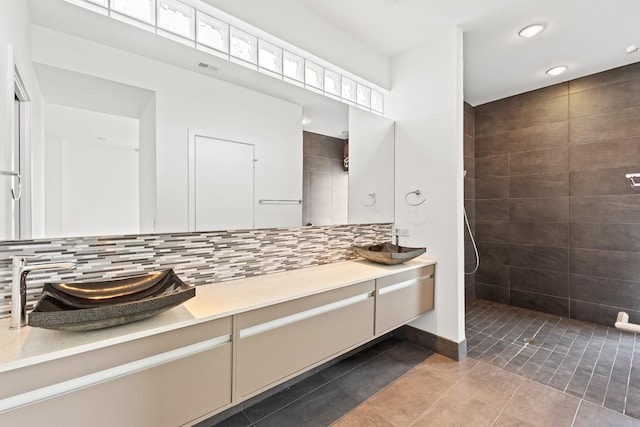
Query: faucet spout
[[19, 272]]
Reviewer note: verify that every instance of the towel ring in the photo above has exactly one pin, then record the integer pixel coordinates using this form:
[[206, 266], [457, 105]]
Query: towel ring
[[372, 196], [417, 193]]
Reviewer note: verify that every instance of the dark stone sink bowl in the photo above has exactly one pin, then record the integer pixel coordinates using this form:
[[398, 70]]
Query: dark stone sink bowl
[[388, 253], [101, 304]]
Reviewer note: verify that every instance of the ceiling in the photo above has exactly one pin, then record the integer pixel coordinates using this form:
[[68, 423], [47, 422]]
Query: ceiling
[[589, 36]]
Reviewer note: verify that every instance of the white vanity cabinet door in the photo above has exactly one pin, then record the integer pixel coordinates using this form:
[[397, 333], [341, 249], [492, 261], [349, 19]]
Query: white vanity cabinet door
[[402, 297], [169, 388], [278, 342]]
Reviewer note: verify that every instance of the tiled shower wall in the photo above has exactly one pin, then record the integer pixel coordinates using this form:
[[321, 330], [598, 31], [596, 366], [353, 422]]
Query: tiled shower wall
[[198, 258], [557, 222], [469, 200], [325, 183]]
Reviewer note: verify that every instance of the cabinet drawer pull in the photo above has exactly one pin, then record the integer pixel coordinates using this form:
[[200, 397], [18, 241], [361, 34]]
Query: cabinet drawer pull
[[287, 320], [403, 285], [99, 377]]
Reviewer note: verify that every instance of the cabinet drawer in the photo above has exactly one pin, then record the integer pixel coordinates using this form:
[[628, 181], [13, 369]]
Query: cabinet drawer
[[168, 394], [402, 297], [295, 335]]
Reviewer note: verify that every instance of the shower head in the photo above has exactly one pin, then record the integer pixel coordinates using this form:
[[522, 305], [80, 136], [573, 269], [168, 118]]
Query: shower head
[[464, 173]]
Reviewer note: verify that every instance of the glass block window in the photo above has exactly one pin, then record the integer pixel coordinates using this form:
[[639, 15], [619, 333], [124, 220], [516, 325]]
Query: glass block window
[[269, 56], [143, 10], [213, 32], [177, 18], [313, 75], [364, 96], [293, 66], [377, 101], [332, 83], [348, 90], [244, 46]]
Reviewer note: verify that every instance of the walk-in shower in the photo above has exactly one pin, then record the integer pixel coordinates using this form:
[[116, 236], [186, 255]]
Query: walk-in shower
[[473, 241]]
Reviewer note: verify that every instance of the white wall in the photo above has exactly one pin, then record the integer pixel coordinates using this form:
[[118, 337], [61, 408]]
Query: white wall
[[91, 185], [190, 100], [371, 167], [426, 101], [147, 168]]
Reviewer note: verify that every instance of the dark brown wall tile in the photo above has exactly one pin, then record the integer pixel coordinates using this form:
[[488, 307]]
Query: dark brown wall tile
[[614, 125], [492, 293], [492, 187], [468, 109], [616, 75], [602, 290], [539, 257], [544, 185], [538, 302], [538, 162], [470, 167], [602, 182], [604, 99], [469, 146], [491, 145], [550, 209], [492, 231], [612, 237], [554, 283], [539, 137], [539, 233], [493, 268], [597, 313], [538, 112], [469, 125], [492, 210], [470, 208], [605, 155], [469, 188], [607, 209], [489, 121], [492, 166], [611, 264]]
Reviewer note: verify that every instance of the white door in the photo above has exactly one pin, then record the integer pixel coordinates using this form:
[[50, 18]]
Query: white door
[[224, 184], [9, 208]]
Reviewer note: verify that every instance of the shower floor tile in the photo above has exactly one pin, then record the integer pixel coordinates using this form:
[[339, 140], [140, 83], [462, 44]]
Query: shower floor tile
[[592, 362]]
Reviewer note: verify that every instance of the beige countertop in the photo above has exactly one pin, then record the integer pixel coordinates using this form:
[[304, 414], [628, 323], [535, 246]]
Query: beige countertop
[[28, 346]]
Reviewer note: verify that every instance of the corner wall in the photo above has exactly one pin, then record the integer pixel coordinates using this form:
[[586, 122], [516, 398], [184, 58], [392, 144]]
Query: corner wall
[[426, 101]]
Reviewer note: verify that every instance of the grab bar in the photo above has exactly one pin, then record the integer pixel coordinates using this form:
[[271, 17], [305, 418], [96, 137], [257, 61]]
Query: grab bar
[[630, 177], [14, 192], [280, 201]]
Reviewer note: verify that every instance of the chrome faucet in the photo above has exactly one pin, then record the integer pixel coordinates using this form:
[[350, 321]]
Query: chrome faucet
[[395, 237], [19, 271]]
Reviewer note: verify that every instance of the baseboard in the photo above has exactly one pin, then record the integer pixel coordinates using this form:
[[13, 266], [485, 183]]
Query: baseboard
[[443, 346]]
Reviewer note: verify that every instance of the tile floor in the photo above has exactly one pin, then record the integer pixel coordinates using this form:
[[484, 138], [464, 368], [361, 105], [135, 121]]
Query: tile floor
[[566, 373]]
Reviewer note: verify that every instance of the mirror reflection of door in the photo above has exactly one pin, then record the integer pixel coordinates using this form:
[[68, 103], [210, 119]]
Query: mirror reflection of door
[[10, 208], [224, 184]]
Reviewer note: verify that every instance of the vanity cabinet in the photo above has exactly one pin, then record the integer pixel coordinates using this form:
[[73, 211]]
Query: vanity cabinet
[[402, 297], [281, 341], [168, 379]]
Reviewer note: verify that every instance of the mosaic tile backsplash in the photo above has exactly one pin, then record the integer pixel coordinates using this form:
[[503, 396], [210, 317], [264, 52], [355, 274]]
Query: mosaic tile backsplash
[[198, 258]]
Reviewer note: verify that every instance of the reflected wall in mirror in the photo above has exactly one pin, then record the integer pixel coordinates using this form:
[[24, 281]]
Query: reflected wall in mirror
[[89, 75]]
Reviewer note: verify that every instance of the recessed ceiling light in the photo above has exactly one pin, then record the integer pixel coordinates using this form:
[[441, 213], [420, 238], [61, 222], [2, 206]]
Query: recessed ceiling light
[[632, 49], [531, 30], [557, 70]]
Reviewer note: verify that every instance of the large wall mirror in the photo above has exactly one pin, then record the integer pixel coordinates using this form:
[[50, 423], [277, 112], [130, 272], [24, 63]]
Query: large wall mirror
[[140, 143]]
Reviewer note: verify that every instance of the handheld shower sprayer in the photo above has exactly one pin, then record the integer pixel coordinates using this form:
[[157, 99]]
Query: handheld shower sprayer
[[473, 241]]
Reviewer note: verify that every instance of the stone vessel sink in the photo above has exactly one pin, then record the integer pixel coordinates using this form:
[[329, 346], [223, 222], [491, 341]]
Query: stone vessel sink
[[388, 253], [85, 306]]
